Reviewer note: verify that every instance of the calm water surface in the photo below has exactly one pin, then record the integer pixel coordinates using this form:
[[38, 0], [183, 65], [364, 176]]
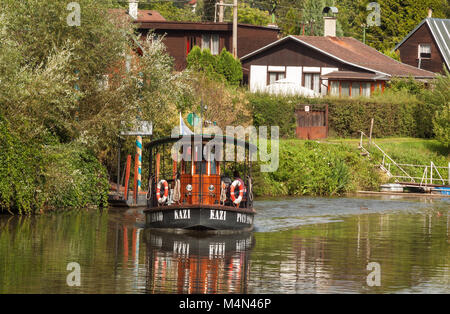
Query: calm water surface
[[300, 245]]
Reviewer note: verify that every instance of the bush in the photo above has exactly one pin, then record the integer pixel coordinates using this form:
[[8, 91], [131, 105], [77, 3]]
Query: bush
[[437, 99], [229, 67], [223, 67], [20, 172], [310, 168], [35, 177], [74, 178]]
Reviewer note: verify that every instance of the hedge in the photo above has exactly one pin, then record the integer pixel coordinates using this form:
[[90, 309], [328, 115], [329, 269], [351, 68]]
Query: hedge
[[348, 116], [35, 176]]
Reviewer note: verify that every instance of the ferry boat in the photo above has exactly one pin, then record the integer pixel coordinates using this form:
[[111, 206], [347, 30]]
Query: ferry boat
[[191, 189]]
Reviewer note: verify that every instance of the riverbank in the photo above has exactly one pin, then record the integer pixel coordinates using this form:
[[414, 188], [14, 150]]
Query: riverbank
[[335, 166]]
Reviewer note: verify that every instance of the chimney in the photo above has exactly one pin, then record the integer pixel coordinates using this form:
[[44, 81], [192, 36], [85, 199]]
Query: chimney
[[430, 12], [329, 27], [133, 9]]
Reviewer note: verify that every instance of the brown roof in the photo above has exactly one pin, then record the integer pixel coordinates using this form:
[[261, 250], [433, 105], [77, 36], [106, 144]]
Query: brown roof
[[143, 15], [354, 52], [350, 75], [207, 26]]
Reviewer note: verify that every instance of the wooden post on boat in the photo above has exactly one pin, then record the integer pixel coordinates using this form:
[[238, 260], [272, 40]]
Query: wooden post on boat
[[127, 176], [174, 170], [136, 169], [118, 169], [158, 162]]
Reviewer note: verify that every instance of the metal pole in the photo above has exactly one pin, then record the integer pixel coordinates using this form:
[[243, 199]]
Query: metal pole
[[431, 172], [235, 19], [370, 134], [364, 34], [221, 11]]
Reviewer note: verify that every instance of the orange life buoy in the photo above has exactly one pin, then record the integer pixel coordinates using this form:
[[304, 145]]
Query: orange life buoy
[[162, 199], [241, 191]]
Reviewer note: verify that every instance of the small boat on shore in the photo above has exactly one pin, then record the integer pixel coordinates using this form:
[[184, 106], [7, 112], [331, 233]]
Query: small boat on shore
[[196, 190]]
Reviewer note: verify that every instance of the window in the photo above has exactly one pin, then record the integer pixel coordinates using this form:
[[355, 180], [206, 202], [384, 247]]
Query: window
[[211, 41], [345, 89], [366, 89], [190, 43], [275, 76], [425, 51], [334, 91], [312, 81], [355, 89]]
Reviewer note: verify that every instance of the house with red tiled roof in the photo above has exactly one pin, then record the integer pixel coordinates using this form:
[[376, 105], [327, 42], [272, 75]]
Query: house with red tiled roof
[[143, 16], [321, 65]]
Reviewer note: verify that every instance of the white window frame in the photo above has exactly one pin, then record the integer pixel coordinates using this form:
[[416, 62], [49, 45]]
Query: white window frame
[[421, 49], [212, 42]]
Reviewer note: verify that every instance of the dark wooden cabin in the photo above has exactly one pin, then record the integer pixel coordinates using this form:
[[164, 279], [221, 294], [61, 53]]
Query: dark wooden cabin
[[180, 37], [427, 46]]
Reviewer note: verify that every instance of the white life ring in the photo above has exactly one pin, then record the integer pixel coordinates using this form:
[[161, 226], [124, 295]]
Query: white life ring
[[241, 191], [162, 199]]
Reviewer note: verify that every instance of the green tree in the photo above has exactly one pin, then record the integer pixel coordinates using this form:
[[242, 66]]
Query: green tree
[[398, 18], [251, 15], [223, 67], [172, 11], [439, 99], [68, 91], [229, 67]]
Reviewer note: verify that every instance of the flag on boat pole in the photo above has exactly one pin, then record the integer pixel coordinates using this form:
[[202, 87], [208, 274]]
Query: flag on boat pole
[[184, 129]]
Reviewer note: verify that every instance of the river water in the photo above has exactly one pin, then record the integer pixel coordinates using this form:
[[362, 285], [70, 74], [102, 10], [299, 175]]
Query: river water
[[300, 245]]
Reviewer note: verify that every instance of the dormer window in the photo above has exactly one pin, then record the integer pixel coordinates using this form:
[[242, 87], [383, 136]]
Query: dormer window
[[424, 51]]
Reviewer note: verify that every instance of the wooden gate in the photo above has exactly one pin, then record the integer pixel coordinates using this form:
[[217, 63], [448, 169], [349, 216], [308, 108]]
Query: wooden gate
[[312, 121]]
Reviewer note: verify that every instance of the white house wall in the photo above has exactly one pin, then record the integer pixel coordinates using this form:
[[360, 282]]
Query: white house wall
[[258, 78], [311, 69], [258, 75], [294, 74], [272, 68]]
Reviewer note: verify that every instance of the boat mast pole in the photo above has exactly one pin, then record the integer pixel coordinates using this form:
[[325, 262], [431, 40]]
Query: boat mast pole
[[201, 152]]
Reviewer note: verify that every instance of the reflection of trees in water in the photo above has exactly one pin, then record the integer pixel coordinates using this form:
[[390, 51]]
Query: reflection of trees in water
[[332, 257], [35, 250], [198, 264], [412, 249]]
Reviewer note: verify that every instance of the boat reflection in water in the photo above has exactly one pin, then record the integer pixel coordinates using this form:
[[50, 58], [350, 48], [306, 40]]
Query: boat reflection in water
[[196, 262]]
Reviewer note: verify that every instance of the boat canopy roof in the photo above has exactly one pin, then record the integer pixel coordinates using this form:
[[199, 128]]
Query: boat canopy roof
[[204, 138]]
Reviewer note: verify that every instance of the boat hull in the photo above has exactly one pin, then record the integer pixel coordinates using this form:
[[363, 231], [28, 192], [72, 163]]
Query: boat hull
[[199, 217]]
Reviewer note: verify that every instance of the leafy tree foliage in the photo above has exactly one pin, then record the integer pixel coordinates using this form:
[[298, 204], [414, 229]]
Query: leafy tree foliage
[[223, 67], [68, 91], [438, 98]]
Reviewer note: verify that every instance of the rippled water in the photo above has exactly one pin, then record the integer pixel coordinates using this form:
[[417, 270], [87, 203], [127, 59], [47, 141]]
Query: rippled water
[[300, 245]]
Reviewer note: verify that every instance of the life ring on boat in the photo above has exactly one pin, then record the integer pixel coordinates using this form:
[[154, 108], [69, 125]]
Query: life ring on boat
[[162, 199], [241, 191]]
